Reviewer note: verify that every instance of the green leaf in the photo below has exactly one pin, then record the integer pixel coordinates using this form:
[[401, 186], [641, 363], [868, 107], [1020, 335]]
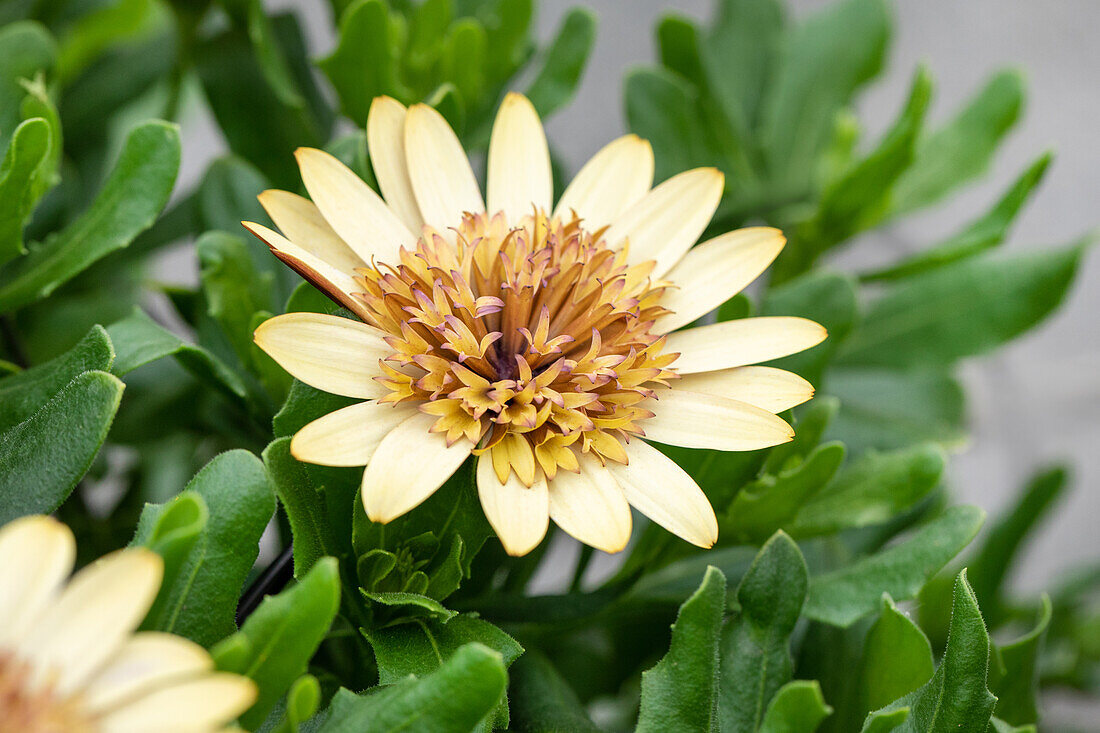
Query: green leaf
[[774, 501], [423, 646], [26, 49], [453, 699], [364, 63], [175, 531], [885, 721], [755, 648], [43, 457], [270, 57], [872, 490], [829, 298], [681, 692], [825, 59], [1001, 546], [956, 698], [845, 595], [22, 394], [859, 198], [412, 605], [28, 150], [257, 124], [889, 409], [420, 648], [744, 35], [462, 60], [678, 47], [202, 604], [798, 707], [985, 232], [302, 701], [227, 195], [1015, 675], [541, 700], [663, 108], [897, 659], [94, 32], [138, 340], [128, 203], [962, 149], [304, 506], [563, 62], [235, 291], [962, 310], [279, 638], [999, 726]]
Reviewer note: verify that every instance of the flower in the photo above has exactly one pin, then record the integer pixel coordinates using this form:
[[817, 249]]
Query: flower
[[70, 661], [542, 339]]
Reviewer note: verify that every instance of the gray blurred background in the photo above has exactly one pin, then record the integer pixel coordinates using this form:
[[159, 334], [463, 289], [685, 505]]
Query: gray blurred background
[[1034, 402]]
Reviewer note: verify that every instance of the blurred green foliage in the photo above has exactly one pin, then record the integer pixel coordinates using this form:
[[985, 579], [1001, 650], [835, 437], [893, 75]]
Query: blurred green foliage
[[153, 394]]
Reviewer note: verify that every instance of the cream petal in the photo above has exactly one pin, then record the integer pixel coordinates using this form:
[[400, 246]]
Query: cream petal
[[519, 161], [195, 706], [617, 176], [386, 142], [768, 388], [666, 222], [519, 515], [664, 492], [333, 354], [354, 210], [408, 466], [92, 617], [694, 420], [741, 342], [36, 554], [148, 660], [338, 284], [302, 223], [440, 172], [348, 437], [715, 271], [590, 506]]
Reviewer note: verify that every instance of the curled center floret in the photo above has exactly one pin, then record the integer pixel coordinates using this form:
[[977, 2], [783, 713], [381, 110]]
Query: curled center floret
[[532, 341]]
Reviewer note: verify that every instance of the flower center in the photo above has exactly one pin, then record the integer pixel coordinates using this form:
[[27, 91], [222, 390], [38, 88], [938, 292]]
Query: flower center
[[35, 709], [533, 342]]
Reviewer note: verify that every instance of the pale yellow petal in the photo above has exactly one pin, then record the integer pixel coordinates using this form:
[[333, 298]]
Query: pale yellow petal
[[408, 466], [150, 659], [36, 556], [664, 492], [741, 342], [590, 506], [440, 172], [695, 420], [519, 161], [664, 224], [195, 706], [302, 223], [337, 283], [348, 437], [386, 142], [715, 271], [519, 515], [91, 619], [614, 178], [354, 210], [771, 389], [333, 354]]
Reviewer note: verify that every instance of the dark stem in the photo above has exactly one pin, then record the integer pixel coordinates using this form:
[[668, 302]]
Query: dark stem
[[271, 581], [13, 341]]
